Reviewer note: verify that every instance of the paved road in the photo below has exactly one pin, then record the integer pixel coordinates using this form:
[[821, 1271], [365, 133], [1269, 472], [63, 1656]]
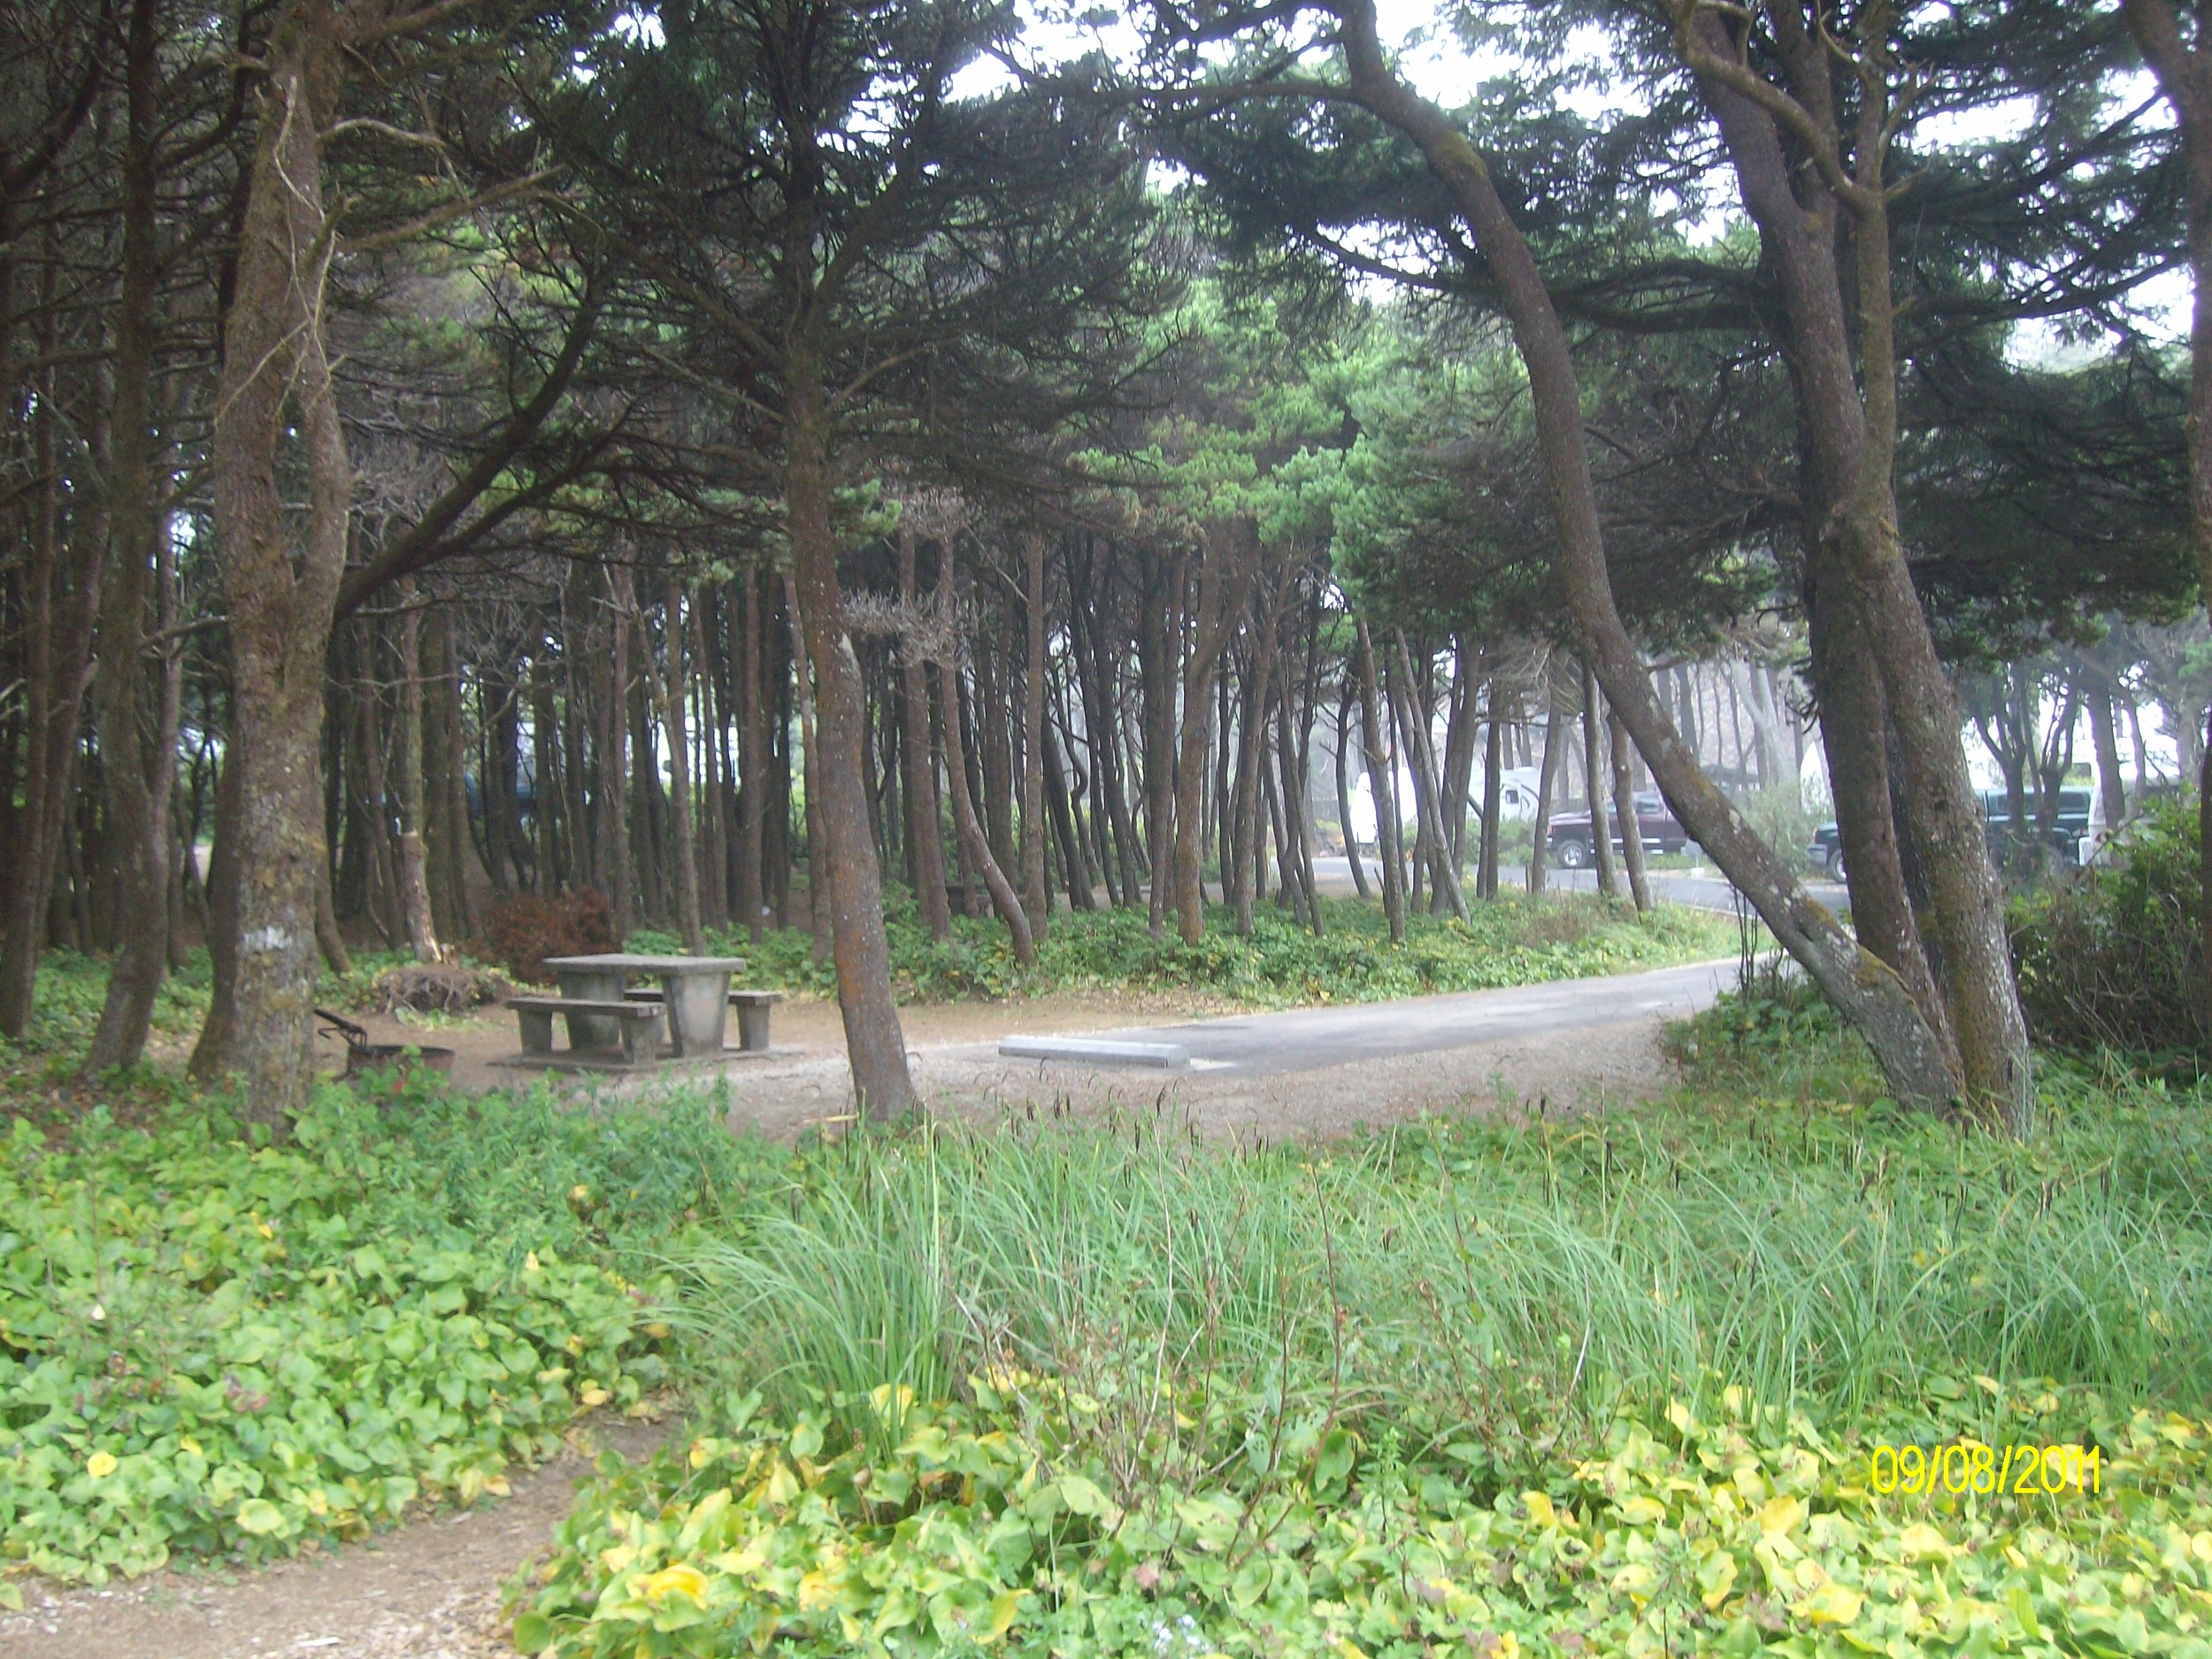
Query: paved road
[[1312, 1039]]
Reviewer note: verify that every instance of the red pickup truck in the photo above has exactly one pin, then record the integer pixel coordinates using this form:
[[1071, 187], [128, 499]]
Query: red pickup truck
[[1572, 844]]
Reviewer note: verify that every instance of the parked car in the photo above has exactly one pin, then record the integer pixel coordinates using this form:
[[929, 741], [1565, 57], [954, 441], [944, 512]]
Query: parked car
[[2068, 834], [1572, 842]]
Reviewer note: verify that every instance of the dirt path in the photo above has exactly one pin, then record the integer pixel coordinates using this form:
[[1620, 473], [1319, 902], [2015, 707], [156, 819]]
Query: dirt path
[[428, 1590]]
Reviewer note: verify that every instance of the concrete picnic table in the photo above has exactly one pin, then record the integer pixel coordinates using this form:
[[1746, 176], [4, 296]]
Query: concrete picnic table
[[698, 989]]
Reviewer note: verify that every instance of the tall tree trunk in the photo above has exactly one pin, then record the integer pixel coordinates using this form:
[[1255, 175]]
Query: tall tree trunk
[[1067, 831], [444, 764], [1158, 630], [1294, 756], [1547, 779], [683, 830], [1035, 895], [821, 912], [1593, 768], [63, 586], [1868, 993], [1459, 751], [2111, 784], [614, 762], [281, 590], [139, 775], [1382, 784], [1248, 836], [1624, 813], [1344, 793], [1414, 717], [971, 828], [219, 1031], [1492, 788], [414, 866], [921, 782], [874, 1046], [752, 742]]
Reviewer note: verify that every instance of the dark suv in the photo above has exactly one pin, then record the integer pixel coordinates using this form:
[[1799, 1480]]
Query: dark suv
[[2067, 834], [1572, 842]]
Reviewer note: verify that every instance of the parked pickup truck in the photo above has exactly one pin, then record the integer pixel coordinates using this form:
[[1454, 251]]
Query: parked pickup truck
[[2067, 835], [1572, 842]]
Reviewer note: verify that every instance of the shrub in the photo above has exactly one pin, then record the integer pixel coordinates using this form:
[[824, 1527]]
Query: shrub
[[2113, 956], [520, 933]]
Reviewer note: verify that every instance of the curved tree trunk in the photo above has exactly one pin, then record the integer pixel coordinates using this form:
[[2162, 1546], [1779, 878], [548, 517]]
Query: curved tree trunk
[[1593, 768], [1867, 991], [874, 1045], [1547, 781], [1003, 897], [1625, 815]]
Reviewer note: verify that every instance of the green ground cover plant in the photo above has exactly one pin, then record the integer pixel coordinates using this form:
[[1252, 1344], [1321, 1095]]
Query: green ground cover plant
[[209, 1346], [1606, 1384], [1513, 940]]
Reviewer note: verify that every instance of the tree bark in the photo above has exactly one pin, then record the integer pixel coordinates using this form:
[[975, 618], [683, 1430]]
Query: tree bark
[[874, 1046], [820, 910]]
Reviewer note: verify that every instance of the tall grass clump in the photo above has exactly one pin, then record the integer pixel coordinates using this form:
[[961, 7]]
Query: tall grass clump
[[1490, 1288]]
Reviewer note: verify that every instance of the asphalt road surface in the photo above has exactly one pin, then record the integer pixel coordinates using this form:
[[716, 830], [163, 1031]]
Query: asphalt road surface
[[1313, 1039]]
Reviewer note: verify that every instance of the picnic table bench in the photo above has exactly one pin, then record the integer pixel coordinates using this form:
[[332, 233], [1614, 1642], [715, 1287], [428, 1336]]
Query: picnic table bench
[[639, 1024], [752, 1008]]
